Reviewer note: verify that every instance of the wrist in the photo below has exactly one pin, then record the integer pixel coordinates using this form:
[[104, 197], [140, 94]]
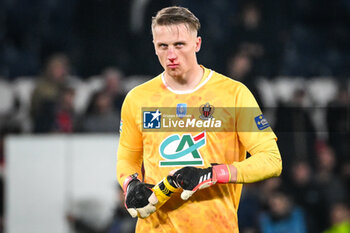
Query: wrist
[[129, 180], [225, 173]]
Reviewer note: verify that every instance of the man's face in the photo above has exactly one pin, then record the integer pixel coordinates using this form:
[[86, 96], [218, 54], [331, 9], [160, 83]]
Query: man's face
[[176, 47]]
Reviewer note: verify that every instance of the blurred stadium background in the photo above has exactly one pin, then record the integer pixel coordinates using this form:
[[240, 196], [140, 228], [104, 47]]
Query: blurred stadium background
[[66, 65]]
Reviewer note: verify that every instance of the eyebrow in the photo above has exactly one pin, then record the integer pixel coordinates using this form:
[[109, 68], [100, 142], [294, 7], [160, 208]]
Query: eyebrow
[[176, 42]]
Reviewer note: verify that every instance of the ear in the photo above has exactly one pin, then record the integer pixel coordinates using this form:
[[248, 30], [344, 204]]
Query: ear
[[198, 43]]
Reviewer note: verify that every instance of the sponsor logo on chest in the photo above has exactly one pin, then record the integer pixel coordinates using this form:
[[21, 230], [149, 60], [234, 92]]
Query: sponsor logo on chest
[[182, 150]]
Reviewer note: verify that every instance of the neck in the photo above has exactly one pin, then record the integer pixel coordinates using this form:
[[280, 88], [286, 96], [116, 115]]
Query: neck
[[185, 82]]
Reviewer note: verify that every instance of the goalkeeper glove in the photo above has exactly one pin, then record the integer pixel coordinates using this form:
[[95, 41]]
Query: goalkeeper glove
[[192, 179], [142, 200]]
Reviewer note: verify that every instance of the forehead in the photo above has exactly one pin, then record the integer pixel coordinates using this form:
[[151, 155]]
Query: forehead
[[173, 32]]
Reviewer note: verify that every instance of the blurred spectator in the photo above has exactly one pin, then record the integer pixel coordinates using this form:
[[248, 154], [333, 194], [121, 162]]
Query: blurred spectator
[[121, 222], [282, 216], [302, 187], [250, 30], [338, 122], [345, 175], [252, 37], [327, 177], [19, 42], [103, 111], [245, 39], [64, 114], [104, 33], [249, 209], [317, 37], [295, 130], [240, 68], [268, 188], [46, 95], [2, 202], [339, 219], [102, 29], [113, 86], [101, 116]]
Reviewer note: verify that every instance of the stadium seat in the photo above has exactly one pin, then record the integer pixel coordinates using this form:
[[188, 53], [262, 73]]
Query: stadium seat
[[322, 90], [266, 89], [23, 88], [284, 87], [134, 80], [83, 92], [6, 97]]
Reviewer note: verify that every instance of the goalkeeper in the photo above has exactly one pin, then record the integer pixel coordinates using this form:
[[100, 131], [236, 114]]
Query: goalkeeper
[[204, 196]]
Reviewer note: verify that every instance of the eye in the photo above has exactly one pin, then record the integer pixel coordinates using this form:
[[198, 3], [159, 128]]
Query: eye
[[163, 46], [179, 44]]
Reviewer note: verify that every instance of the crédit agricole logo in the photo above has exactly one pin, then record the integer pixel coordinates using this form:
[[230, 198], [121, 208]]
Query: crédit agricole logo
[[184, 150]]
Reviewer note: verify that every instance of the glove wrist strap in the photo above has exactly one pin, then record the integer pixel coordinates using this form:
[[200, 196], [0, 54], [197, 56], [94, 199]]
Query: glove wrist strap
[[128, 180], [221, 173]]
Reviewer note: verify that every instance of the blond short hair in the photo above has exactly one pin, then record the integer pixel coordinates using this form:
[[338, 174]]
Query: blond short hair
[[175, 15]]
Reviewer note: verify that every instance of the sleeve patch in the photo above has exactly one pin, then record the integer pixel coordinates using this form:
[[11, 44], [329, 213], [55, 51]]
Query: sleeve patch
[[261, 122]]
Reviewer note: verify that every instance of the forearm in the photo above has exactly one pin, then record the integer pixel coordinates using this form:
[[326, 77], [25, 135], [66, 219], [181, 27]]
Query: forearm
[[261, 165], [264, 163], [128, 162]]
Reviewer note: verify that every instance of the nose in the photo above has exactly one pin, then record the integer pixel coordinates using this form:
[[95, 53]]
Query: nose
[[171, 54]]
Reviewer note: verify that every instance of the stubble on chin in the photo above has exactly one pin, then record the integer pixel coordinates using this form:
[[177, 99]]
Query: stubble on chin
[[175, 74]]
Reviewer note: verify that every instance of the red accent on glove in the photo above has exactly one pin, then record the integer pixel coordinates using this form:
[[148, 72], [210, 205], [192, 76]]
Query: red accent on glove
[[127, 181], [221, 173]]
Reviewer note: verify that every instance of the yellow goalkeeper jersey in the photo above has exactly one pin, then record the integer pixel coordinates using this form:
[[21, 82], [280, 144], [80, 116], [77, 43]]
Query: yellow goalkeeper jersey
[[166, 129]]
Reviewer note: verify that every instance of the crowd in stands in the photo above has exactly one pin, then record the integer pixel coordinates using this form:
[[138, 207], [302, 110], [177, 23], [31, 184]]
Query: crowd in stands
[[66, 66], [293, 38]]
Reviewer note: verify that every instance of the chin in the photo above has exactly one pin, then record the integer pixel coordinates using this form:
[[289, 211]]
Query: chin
[[174, 72]]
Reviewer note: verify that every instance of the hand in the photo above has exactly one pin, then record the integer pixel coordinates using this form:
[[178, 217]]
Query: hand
[[142, 199], [192, 179], [138, 197]]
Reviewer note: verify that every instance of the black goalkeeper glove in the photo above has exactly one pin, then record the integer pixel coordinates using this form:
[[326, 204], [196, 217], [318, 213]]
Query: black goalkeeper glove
[[192, 179], [142, 199], [138, 197]]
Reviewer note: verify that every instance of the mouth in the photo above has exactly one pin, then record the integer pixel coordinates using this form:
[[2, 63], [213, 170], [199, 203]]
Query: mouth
[[173, 66]]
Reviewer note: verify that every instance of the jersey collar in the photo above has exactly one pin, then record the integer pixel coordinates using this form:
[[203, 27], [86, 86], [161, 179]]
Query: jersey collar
[[194, 89]]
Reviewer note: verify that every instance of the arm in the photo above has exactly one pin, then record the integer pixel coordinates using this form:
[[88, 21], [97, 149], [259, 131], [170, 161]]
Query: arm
[[128, 162], [260, 142], [262, 165], [130, 148], [141, 199]]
